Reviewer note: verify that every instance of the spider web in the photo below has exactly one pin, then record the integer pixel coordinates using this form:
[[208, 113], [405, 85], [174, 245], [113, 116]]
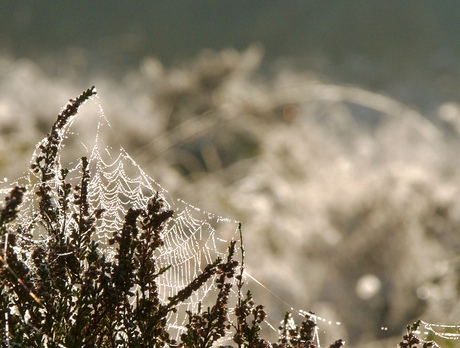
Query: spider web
[[192, 238]]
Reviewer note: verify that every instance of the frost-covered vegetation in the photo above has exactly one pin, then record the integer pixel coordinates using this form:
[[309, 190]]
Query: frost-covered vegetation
[[348, 198]]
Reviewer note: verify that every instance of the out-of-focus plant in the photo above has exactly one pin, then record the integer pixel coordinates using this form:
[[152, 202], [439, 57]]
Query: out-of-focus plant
[[350, 182]]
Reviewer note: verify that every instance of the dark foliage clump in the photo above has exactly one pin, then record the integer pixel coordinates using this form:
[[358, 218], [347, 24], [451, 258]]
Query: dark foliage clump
[[412, 340], [65, 292]]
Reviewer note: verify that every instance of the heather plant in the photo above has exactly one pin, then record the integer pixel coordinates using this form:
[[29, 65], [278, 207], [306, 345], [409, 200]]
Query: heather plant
[[59, 288], [412, 340]]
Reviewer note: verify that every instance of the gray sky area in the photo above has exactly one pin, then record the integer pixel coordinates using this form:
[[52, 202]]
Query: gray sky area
[[366, 42]]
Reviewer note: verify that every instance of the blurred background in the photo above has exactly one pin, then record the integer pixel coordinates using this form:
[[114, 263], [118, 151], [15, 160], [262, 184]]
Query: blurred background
[[329, 129]]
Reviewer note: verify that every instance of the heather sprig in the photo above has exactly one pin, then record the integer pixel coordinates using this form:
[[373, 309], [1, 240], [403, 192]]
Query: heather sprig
[[207, 327]]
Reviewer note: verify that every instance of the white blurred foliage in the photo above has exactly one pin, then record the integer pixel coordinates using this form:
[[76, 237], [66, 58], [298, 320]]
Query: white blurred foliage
[[348, 198]]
